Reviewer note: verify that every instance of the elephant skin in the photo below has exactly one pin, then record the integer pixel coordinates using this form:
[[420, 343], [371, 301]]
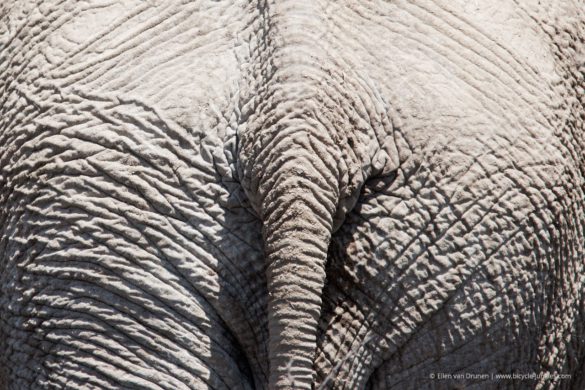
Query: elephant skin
[[287, 194]]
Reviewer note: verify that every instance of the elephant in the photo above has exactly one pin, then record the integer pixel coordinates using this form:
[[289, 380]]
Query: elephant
[[292, 194]]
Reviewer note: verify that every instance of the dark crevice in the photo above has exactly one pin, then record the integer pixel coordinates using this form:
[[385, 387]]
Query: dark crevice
[[377, 185]]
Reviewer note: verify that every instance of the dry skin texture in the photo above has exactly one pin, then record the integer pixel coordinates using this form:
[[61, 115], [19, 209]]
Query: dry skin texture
[[291, 194]]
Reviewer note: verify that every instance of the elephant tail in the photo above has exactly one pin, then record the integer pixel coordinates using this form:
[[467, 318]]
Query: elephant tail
[[295, 192], [297, 216]]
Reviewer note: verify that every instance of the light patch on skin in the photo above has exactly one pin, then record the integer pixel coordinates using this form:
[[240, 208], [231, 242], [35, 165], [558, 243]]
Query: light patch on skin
[[84, 25], [440, 66], [164, 54], [90, 22], [507, 24]]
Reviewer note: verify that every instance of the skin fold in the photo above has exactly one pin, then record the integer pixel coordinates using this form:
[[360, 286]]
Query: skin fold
[[292, 194]]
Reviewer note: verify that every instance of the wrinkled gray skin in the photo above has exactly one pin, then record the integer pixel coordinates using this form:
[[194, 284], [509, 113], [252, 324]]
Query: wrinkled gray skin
[[291, 193]]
